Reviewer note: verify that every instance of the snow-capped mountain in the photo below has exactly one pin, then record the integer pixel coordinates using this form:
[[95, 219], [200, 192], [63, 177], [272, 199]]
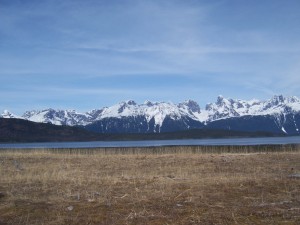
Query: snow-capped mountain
[[57, 117], [7, 114], [279, 114], [227, 108], [147, 117], [151, 110]]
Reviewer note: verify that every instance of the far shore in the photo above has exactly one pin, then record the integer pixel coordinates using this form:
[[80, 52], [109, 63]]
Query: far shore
[[184, 149]]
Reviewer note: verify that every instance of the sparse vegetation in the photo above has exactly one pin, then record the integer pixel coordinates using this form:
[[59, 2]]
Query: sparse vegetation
[[163, 185]]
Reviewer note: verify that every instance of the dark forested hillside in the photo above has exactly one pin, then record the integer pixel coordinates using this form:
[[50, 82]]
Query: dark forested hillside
[[18, 130]]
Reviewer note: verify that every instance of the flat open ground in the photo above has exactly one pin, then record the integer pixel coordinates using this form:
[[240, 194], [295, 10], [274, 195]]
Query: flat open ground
[[176, 186]]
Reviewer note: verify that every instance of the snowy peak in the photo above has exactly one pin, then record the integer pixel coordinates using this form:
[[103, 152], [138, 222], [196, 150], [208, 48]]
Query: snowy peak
[[125, 106], [121, 109], [279, 100], [130, 102], [293, 99], [221, 101], [152, 111], [8, 115], [57, 117], [225, 108], [279, 104], [148, 103], [190, 105], [159, 111]]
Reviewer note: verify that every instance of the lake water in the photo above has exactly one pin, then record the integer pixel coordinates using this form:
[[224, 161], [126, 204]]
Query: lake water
[[211, 142]]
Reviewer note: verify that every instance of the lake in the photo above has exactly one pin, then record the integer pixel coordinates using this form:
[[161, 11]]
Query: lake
[[149, 143]]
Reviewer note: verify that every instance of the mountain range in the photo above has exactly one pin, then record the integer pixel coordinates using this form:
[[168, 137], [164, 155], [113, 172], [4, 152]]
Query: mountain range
[[278, 115]]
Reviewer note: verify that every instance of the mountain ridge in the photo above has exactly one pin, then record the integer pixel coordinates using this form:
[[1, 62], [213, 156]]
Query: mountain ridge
[[156, 117]]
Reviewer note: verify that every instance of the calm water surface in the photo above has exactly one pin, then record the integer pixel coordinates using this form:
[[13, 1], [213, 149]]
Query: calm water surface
[[95, 144]]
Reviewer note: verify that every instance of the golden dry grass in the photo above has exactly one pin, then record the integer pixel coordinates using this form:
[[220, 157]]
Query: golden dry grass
[[186, 187]]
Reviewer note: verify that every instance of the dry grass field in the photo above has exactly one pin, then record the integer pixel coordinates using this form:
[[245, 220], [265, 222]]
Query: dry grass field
[[171, 185]]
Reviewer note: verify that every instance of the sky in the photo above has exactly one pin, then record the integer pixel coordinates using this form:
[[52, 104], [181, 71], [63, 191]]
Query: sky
[[87, 54]]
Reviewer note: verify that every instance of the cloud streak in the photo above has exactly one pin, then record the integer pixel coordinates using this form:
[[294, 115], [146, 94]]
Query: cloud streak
[[148, 48]]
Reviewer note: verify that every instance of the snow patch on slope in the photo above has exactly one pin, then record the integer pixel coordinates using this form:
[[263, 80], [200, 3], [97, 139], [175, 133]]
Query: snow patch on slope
[[282, 128]]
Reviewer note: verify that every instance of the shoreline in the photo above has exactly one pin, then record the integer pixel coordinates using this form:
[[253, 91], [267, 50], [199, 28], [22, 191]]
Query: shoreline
[[171, 149]]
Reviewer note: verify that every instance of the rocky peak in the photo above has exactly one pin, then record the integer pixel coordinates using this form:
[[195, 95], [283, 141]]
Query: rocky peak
[[277, 99], [126, 104], [192, 106], [220, 100], [148, 103], [130, 102], [6, 114], [223, 102], [293, 99]]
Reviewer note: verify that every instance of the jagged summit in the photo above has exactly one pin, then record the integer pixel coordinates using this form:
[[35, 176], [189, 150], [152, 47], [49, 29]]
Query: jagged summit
[[190, 105], [148, 103], [129, 102], [57, 117], [7, 114], [280, 99], [162, 114], [220, 100]]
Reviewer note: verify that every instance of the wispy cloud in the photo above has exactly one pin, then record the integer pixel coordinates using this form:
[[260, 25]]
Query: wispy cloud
[[66, 47], [199, 50]]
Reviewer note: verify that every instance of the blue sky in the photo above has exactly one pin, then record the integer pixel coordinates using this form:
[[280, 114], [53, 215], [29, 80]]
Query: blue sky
[[86, 54]]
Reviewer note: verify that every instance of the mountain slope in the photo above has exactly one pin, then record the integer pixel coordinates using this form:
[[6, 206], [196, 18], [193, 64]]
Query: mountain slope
[[19, 130], [140, 124]]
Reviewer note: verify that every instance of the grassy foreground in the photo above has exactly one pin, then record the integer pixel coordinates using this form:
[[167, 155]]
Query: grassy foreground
[[170, 185]]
